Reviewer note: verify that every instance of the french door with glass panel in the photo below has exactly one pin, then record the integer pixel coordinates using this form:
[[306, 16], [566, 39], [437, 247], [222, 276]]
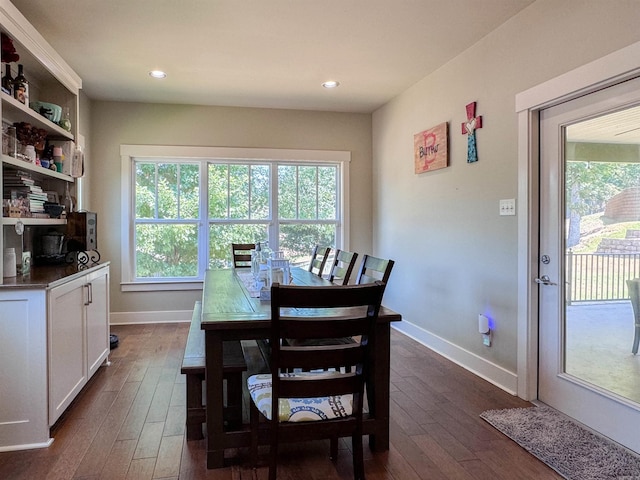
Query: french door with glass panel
[[589, 250]]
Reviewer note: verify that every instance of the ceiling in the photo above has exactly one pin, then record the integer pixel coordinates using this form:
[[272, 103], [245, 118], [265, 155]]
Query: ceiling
[[262, 53], [621, 126]]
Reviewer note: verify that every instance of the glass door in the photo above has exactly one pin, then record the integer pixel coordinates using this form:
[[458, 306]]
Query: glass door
[[590, 260]]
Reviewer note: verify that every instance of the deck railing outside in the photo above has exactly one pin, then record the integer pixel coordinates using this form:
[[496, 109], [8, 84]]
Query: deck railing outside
[[600, 277]]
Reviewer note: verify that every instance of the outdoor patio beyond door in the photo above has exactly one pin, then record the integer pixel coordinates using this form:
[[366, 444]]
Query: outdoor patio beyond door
[[602, 248]]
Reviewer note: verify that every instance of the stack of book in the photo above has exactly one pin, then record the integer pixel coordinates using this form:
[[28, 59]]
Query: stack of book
[[19, 185]]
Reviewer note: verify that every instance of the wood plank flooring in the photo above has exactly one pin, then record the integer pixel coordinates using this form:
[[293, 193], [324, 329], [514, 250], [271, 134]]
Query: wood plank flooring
[[128, 424]]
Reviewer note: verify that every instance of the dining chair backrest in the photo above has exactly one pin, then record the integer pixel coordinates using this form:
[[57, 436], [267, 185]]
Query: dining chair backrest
[[319, 256], [373, 269], [241, 254], [345, 311], [342, 267]]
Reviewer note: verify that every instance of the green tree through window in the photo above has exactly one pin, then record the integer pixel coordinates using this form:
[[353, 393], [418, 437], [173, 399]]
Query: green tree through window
[[178, 231]]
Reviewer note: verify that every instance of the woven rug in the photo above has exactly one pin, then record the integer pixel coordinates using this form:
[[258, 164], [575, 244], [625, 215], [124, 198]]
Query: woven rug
[[571, 450]]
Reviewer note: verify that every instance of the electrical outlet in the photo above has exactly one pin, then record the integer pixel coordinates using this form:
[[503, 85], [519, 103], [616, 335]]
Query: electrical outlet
[[486, 339], [508, 206]]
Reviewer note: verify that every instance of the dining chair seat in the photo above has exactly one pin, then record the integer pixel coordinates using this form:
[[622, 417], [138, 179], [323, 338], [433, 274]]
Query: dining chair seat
[[298, 409]]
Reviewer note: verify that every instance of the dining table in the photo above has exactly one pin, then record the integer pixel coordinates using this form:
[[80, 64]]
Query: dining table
[[233, 310]]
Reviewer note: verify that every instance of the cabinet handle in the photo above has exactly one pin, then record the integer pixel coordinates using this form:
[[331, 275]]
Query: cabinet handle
[[91, 293], [88, 297]]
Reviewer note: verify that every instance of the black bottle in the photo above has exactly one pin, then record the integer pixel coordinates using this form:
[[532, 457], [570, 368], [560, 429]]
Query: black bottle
[[21, 87], [7, 81]]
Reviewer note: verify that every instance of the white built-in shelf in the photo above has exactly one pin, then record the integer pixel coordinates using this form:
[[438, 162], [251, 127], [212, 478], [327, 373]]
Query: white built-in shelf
[[40, 171], [14, 111], [34, 221]]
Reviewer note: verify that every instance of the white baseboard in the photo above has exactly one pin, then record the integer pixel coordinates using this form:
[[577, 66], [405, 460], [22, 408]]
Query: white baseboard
[[492, 373], [27, 446], [132, 318]]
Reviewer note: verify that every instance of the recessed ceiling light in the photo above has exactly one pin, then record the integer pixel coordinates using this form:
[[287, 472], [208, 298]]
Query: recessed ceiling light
[[330, 84], [157, 74]]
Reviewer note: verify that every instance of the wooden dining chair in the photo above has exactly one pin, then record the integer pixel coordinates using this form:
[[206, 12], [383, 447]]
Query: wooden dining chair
[[342, 267], [241, 254], [319, 256], [310, 405], [373, 269]]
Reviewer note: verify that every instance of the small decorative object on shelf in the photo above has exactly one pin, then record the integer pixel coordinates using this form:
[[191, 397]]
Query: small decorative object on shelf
[[7, 81], [27, 134], [8, 50], [85, 258], [9, 141], [9, 263], [67, 200], [65, 122], [21, 87], [30, 153]]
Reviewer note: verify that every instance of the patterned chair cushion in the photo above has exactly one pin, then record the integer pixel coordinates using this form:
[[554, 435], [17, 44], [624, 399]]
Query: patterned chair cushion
[[298, 409]]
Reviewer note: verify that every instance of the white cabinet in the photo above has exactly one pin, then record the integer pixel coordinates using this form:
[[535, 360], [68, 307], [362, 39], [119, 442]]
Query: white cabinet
[[54, 335], [97, 317], [66, 327], [23, 369], [78, 336]]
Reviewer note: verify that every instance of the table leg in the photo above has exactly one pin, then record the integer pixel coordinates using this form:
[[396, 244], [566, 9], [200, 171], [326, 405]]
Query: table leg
[[378, 387], [215, 401]]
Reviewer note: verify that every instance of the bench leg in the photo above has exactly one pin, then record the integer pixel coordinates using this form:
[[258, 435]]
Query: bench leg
[[195, 412]]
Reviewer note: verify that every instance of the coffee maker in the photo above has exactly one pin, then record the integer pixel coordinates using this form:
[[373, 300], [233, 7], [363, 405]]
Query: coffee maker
[[82, 237]]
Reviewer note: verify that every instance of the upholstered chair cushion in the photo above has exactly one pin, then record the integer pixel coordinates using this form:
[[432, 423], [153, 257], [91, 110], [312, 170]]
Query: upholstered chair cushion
[[298, 409]]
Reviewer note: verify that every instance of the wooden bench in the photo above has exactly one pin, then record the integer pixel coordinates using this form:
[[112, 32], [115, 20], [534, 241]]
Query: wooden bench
[[193, 366]]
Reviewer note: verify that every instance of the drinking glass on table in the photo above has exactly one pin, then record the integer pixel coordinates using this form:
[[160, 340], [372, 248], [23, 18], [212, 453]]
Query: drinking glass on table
[[255, 265]]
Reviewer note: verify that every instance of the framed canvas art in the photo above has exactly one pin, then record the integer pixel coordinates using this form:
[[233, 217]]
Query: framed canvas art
[[430, 149]]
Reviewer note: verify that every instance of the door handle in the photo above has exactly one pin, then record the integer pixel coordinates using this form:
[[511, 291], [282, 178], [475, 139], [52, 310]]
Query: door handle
[[544, 280]]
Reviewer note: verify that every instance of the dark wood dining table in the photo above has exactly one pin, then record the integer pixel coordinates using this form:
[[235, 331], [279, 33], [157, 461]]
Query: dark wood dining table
[[229, 312]]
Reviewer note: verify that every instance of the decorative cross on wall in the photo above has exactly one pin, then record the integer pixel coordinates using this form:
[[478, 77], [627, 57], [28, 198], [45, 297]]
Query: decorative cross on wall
[[469, 128]]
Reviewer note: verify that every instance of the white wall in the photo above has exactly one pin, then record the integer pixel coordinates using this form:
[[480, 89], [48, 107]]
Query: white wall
[[113, 124], [455, 256]]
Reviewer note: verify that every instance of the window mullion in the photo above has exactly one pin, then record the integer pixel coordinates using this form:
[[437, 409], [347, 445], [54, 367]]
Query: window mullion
[[250, 192], [157, 188], [274, 214], [203, 217], [297, 191], [178, 190], [228, 191]]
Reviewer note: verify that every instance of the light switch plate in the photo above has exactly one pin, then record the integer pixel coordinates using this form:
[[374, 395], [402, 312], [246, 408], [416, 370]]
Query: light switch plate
[[508, 206]]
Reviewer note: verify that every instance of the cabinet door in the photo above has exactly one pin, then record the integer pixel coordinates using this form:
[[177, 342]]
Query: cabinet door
[[66, 338], [23, 369], [97, 319]]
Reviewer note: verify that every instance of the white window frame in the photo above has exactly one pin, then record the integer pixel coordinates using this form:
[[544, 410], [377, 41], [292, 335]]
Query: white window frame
[[130, 153]]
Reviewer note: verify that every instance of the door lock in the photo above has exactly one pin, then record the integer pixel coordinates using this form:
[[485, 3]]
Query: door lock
[[544, 280]]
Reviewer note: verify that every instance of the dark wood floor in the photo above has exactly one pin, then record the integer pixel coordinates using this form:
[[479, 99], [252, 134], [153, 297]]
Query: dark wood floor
[[128, 423]]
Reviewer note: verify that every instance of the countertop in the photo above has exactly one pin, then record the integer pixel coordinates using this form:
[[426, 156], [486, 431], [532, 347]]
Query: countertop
[[48, 276]]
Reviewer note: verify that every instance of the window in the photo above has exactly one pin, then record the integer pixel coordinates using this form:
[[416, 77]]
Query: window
[[167, 213], [307, 208], [184, 206]]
